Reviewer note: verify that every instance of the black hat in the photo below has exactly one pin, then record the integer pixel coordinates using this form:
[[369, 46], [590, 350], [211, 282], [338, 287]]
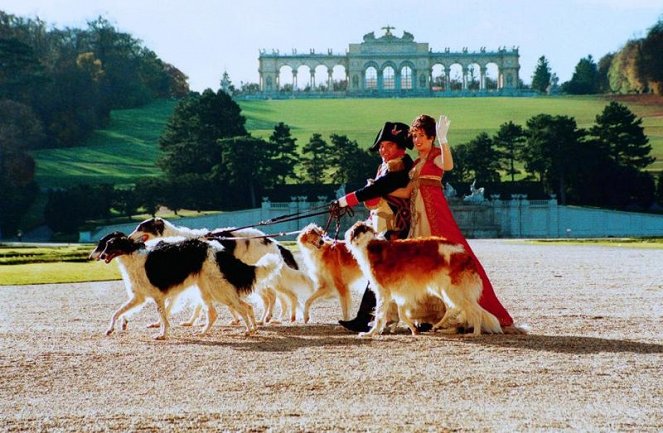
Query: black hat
[[396, 132]]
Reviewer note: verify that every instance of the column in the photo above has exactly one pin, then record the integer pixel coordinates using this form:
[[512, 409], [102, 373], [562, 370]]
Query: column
[[447, 79], [482, 78], [464, 77], [294, 79], [330, 80]]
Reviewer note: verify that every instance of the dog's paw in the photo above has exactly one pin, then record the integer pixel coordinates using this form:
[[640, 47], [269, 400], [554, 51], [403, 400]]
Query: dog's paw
[[154, 325], [186, 323], [159, 336], [109, 331]]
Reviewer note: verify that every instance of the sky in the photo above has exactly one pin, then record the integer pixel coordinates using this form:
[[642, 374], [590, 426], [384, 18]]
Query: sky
[[204, 38]]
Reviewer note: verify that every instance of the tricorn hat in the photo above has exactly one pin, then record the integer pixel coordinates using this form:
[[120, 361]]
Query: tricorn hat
[[396, 132]]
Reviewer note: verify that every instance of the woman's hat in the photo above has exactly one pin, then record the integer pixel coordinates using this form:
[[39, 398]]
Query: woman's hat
[[397, 132]]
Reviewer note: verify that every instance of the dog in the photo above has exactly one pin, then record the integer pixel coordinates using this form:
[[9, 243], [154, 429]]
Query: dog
[[249, 245], [405, 270], [163, 271], [336, 270]]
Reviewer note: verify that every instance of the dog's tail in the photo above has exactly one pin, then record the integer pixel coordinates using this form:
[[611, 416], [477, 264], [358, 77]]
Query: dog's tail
[[489, 323], [267, 266], [288, 257]]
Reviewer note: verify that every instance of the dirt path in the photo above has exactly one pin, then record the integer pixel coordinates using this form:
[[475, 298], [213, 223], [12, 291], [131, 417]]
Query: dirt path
[[592, 362]]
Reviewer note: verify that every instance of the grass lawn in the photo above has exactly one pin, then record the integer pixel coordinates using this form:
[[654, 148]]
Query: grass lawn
[[57, 272], [128, 148]]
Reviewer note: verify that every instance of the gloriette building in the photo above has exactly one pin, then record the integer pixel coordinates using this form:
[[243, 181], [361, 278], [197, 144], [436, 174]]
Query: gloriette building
[[388, 66]]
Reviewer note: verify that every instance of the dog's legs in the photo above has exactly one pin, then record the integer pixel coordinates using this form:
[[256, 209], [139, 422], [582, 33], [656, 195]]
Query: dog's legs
[[235, 321], [383, 298], [322, 291], [402, 315], [169, 306], [165, 325], [268, 298], [132, 303], [250, 314], [194, 315], [208, 301], [293, 301], [344, 297]]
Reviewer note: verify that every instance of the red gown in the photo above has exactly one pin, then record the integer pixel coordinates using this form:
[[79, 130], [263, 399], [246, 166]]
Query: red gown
[[431, 216]]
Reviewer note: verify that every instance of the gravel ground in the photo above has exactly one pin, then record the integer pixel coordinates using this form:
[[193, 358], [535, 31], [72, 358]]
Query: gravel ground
[[592, 361]]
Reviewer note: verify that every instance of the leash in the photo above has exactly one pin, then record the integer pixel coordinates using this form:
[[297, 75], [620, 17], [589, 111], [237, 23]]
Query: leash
[[213, 237], [289, 217]]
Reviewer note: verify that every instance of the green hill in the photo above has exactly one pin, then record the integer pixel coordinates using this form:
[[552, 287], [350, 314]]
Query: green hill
[[128, 148]]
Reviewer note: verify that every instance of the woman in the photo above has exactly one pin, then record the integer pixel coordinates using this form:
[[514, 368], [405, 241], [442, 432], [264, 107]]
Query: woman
[[430, 212]]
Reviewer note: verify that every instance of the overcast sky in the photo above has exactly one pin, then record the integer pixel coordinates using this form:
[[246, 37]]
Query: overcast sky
[[205, 37]]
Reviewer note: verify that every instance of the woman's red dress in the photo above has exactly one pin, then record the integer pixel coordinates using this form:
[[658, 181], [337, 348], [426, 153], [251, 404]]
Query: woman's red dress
[[431, 213]]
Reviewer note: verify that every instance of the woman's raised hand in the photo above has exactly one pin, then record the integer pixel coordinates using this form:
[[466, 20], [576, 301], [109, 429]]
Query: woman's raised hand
[[441, 128]]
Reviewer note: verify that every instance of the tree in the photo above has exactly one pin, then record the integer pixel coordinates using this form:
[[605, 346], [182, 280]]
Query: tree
[[189, 141], [620, 133], [20, 132], [650, 63], [542, 75], [603, 68], [315, 159], [352, 164], [483, 159], [242, 172], [585, 79], [461, 171], [623, 74], [509, 142], [553, 143], [282, 154]]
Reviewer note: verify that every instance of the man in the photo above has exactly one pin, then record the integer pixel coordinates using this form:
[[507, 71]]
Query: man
[[388, 214]]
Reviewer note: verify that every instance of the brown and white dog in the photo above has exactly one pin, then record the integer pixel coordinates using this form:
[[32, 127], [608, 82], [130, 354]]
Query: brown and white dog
[[406, 270], [248, 245], [335, 269], [163, 271]]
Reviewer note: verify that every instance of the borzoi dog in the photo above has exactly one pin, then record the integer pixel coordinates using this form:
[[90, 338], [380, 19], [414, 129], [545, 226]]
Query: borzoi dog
[[336, 271], [291, 282], [405, 270], [165, 270]]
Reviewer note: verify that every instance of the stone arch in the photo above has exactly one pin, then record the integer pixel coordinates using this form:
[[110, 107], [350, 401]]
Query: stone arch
[[439, 77], [407, 76], [455, 76], [285, 78], [491, 76], [339, 77], [320, 76], [473, 76], [371, 75], [389, 73]]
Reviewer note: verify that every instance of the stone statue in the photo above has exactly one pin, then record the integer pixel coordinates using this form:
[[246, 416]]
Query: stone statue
[[369, 36], [407, 36], [476, 194], [449, 191]]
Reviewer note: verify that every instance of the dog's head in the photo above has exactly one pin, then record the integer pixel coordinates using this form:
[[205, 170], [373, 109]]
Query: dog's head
[[311, 235], [118, 246], [101, 246], [360, 233], [149, 229]]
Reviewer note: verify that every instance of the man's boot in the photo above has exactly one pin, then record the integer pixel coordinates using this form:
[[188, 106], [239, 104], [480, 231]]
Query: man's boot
[[365, 315]]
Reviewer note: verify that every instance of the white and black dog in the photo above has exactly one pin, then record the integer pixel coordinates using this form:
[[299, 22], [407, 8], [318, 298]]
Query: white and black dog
[[406, 270], [248, 245], [163, 271]]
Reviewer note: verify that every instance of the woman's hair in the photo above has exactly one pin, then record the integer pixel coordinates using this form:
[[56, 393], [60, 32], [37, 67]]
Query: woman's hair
[[426, 124]]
